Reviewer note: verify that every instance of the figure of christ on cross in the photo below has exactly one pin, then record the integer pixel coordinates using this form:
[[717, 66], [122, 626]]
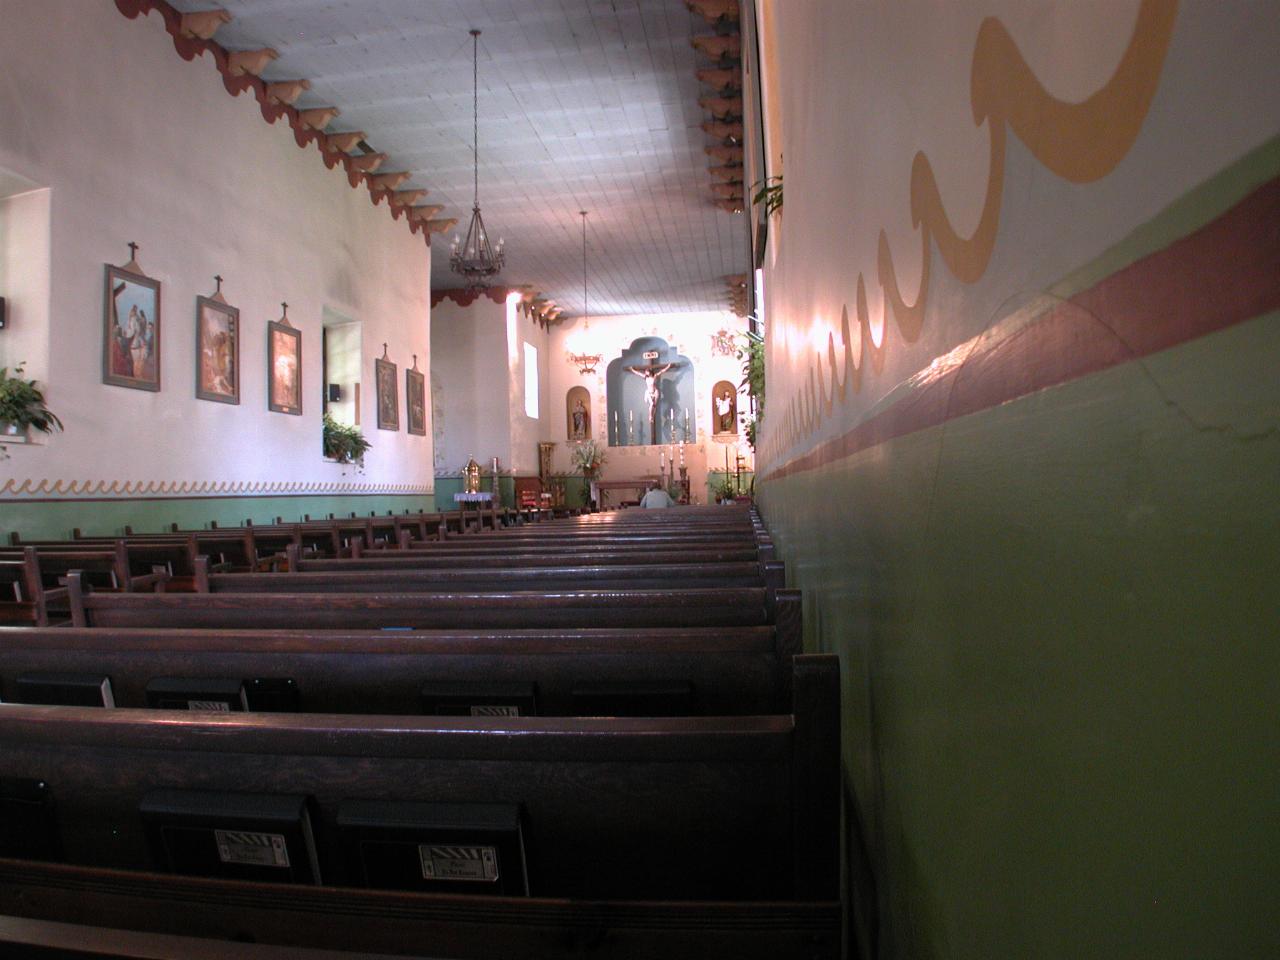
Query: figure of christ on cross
[[651, 375]]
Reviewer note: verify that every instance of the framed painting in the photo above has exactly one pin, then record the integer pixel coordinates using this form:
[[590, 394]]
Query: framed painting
[[284, 368], [386, 380], [217, 351], [415, 395], [131, 330]]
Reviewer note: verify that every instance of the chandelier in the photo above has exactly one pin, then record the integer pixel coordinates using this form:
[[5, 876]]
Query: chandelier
[[475, 258], [586, 361]]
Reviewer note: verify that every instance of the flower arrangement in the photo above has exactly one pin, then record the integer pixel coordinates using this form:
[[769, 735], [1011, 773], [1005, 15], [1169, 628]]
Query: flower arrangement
[[589, 457], [22, 403], [343, 443]]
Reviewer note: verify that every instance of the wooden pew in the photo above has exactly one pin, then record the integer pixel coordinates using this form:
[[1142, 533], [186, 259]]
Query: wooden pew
[[734, 606], [646, 837], [727, 670], [504, 578], [445, 559]]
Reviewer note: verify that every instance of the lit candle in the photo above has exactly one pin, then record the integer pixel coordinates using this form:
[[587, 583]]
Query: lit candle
[[681, 453], [616, 435]]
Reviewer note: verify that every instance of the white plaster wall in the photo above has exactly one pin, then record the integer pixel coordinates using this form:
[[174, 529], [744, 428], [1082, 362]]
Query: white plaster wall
[[849, 170], [469, 364], [24, 282], [527, 432], [136, 144], [692, 335]]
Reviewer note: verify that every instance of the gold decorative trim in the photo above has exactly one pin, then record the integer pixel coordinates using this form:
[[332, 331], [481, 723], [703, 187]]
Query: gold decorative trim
[[1079, 142]]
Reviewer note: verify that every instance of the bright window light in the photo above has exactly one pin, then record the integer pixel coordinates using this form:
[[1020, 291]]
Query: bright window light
[[530, 381]]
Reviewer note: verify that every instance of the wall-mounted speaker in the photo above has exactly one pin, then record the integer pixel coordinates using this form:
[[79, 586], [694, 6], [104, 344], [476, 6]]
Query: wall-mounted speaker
[[3, 321], [335, 392]]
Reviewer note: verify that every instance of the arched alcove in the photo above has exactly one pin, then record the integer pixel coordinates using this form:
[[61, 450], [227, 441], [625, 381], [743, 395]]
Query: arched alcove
[[627, 385], [577, 412], [724, 409]]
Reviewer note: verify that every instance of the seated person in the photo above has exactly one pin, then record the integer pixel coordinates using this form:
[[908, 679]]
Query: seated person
[[656, 497]]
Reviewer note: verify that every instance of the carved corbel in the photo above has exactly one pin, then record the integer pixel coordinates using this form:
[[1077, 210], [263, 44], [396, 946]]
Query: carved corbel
[[722, 108], [319, 118], [727, 190], [407, 198], [347, 140], [287, 91], [722, 81], [730, 206], [731, 172], [726, 154], [440, 226], [203, 24], [723, 130], [715, 11], [718, 46], [424, 213], [240, 62], [367, 162], [389, 181]]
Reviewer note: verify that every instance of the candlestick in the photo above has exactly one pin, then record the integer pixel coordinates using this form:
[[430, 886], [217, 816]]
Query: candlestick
[[682, 456]]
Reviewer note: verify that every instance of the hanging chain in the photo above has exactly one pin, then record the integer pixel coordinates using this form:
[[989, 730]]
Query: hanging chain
[[475, 110], [586, 314]]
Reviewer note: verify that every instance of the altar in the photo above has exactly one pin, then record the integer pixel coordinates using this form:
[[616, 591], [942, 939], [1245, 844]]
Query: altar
[[600, 489]]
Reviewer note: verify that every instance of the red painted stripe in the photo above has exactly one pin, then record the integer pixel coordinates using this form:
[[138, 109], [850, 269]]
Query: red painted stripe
[[1224, 273]]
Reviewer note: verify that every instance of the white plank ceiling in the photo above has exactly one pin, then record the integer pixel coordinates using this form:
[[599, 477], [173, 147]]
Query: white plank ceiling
[[584, 104]]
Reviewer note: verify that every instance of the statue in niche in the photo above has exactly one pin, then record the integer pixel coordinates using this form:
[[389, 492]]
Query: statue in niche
[[651, 375], [724, 400], [578, 413]]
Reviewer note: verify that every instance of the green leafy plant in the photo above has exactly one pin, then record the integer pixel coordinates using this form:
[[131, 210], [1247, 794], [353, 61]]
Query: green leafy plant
[[723, 489], [768, 192], [751, 353], [22, 403], [588, 457], [344, 443]]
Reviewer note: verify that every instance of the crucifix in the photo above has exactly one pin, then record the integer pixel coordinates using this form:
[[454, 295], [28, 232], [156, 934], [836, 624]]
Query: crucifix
[[651, 372]]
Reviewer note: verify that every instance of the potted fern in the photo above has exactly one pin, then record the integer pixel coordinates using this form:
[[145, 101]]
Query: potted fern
[[22, 407], [343, 443]]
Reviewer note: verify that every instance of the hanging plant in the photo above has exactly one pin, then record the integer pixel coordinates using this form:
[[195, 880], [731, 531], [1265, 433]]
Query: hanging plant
[[343, 443], [751, 353]]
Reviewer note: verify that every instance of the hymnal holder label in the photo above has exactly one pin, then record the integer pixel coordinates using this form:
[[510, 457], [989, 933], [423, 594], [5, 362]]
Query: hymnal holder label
[[468, 863]]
